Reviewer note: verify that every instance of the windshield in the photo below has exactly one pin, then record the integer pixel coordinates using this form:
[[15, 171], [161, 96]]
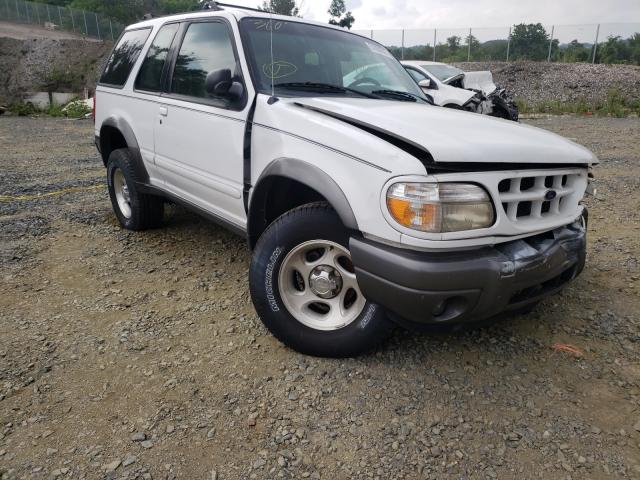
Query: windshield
[[442, 72], [307, 59]]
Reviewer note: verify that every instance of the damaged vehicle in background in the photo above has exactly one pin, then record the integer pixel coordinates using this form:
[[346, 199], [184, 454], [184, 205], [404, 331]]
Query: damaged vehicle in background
[[453, 88]]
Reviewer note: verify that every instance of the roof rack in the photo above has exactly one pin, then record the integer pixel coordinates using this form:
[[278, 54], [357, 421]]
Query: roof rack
[[213, 5]]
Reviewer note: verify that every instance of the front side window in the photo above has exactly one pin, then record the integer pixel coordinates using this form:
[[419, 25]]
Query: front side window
[[150, 75], [207, 47], [331, 61], [124, 56]]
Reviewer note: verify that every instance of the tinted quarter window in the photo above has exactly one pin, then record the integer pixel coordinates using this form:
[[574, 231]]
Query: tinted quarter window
[[151, 70], [124, 56], [206, 47]]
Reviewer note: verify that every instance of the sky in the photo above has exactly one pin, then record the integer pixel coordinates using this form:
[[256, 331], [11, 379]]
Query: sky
[[424, 14]]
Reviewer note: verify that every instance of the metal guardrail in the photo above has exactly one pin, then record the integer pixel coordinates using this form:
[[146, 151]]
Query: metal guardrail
[[83, 22], [552, 43]]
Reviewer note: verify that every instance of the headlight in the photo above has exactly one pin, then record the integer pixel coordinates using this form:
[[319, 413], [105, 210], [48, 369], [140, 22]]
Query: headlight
[[440, 207]]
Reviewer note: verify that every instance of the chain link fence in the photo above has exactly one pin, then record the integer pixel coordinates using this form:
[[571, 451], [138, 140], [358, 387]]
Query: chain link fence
[[55, 17], [596, 43]]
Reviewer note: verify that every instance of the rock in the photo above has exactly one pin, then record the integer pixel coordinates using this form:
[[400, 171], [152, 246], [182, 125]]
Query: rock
[[211, 433], [112, 466], [147, 444], [139, 437], [170, 429], [259, 463], [129, 460]]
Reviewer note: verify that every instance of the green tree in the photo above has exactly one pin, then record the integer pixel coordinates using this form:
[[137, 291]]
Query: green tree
[[575, 52], [281, 7], [453, 43], [614, 50], [339, 15], [529, 41], [126, 11]]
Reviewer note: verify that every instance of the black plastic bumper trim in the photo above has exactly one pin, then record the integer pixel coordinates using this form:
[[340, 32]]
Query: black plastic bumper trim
[[468, 286]]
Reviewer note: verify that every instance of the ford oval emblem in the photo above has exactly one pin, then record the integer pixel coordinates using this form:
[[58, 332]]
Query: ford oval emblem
[[550, 195]]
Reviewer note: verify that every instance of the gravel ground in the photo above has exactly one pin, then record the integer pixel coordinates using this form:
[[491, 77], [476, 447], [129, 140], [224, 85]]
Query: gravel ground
[[537, 82], [138, 355]]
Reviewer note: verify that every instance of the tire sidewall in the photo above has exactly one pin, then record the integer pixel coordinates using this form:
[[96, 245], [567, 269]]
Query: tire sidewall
[[118, 161], [273, 247]]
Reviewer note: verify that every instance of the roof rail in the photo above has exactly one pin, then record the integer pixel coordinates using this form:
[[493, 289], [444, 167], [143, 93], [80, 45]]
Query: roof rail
[[213, 5]]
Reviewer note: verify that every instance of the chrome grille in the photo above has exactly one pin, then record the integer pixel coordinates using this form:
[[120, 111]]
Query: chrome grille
[[529, 198]]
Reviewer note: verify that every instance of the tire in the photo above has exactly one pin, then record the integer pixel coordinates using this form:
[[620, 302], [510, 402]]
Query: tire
[[313, 233], [134, 209]]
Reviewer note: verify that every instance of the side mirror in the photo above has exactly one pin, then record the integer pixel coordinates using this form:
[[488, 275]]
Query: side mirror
[[218, 82], [426, 83]]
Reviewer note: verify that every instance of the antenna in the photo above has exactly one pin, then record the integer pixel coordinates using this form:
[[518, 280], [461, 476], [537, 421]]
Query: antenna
[[273, 98]]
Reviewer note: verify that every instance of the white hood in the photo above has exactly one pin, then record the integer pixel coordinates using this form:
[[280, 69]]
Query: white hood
[[451, 135], [482, 81]]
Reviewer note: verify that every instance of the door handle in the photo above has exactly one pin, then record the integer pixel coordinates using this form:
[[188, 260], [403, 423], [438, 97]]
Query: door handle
[[164, 111]]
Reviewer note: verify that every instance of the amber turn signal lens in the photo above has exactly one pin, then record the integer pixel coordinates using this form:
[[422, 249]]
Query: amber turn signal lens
[[438, 208], [419, 215]]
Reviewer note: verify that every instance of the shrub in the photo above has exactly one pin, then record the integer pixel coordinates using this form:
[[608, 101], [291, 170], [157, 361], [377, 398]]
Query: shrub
[[23, 109], [77, 109]]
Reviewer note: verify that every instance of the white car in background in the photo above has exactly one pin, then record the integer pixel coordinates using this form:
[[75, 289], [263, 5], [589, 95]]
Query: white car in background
[[451, 87]]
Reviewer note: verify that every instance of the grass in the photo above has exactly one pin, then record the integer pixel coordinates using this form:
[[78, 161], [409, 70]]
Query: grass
[[615, 105]]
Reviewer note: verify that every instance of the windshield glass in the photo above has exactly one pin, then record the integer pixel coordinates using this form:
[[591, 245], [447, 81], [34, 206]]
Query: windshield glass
[[304, 53], [442, 72]]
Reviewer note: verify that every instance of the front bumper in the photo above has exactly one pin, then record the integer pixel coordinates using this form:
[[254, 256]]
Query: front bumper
[[461, 287]]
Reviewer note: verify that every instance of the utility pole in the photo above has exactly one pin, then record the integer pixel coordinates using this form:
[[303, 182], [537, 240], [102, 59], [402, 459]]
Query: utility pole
[[402, 51], [508, 43], [435, 32], [469, 47], [550, 43], [595, 44]]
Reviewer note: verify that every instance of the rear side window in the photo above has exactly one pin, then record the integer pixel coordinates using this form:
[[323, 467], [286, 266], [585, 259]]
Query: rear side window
[[206, 47], [124, 56], [150, 75]]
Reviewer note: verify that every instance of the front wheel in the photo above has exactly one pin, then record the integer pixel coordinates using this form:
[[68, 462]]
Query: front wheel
[[304, 288]]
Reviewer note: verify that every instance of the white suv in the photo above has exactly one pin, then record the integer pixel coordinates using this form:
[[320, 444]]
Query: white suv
[[364, 206]]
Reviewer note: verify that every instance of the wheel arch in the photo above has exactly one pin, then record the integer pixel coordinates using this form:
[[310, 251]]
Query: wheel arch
[[115, 133], [269, 198]]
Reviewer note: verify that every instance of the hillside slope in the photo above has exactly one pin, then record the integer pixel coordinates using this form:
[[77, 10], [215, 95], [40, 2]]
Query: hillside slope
[[32, 58]]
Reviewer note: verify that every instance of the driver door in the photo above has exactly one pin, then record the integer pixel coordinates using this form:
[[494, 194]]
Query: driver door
[[199, 136]]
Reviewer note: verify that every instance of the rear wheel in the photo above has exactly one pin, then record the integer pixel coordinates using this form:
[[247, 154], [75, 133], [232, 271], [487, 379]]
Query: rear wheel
[[134, 210], [304, 288]]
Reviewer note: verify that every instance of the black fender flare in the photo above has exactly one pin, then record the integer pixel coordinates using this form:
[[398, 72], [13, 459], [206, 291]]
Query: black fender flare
[[309, 175], [125, 129]]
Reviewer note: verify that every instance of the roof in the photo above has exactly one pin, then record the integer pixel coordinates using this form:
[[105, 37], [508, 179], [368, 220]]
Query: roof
[[229, 13], [421, 62]]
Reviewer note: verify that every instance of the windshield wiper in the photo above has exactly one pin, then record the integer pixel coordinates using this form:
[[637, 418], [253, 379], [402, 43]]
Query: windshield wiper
[[321, 87], [400, 95]]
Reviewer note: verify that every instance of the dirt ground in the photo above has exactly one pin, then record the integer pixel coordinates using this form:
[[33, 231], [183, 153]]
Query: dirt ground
[[138, 355], [27, 32]]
